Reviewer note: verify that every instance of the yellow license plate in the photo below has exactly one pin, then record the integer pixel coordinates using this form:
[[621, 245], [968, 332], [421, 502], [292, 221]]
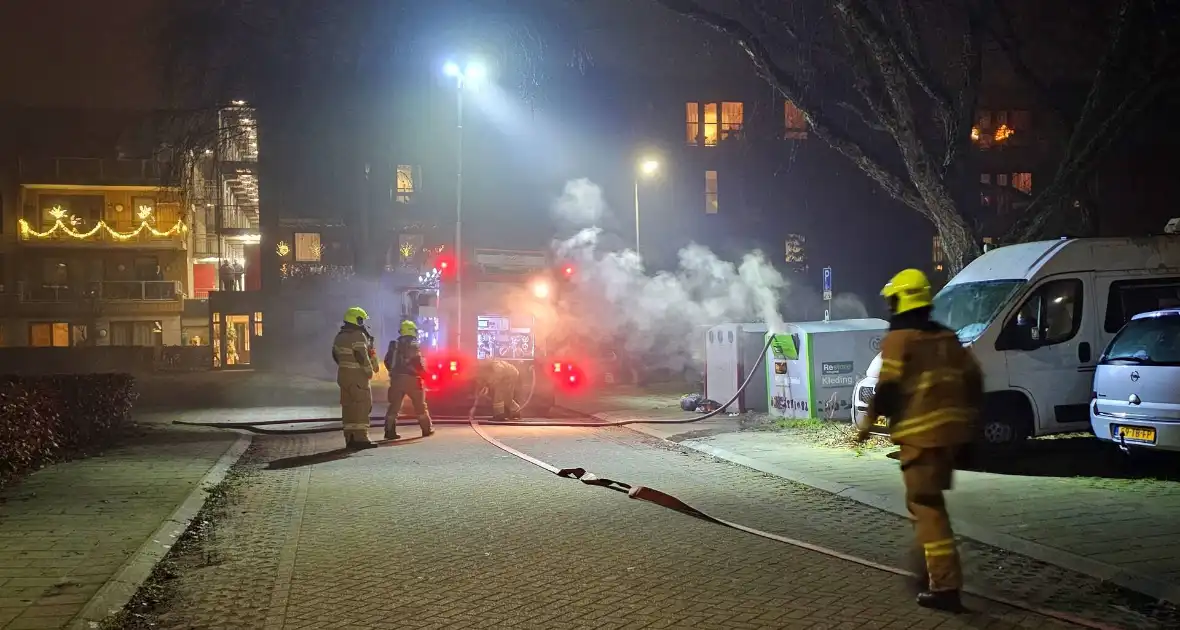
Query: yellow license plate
[[1135, 434], [881, 422]]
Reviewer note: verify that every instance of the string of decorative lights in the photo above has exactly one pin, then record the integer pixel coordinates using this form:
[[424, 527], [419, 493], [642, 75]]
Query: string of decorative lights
[[59, 226], [61, 217]]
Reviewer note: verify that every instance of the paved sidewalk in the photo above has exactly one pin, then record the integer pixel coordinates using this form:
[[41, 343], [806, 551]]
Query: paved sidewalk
[[1121, 530], [77, 537]]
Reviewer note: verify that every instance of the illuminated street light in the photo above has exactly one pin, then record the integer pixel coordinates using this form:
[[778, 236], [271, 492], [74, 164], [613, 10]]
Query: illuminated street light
[[474, 72], [648, 167], [541, 290]]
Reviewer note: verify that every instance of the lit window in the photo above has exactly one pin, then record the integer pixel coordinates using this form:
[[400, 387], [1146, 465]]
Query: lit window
[[711, 131], [405, 182], [731, 119], [795, 121], [1022, 182], [49, 335], [1002, 179], [308, 247], [939, 256], [692, 124], [711, 192]]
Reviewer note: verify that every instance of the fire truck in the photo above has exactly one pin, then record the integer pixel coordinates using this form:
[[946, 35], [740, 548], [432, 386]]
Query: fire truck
[[505, 304]]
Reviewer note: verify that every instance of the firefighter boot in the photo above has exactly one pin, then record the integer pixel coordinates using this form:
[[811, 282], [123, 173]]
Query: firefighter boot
[[355, 440], [499, 417], [947, 601]]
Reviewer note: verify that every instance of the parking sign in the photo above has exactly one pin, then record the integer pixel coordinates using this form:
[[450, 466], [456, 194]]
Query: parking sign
[[827, 283]]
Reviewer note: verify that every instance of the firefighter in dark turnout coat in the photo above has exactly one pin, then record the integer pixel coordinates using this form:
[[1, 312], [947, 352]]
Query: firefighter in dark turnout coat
[[931, 389]]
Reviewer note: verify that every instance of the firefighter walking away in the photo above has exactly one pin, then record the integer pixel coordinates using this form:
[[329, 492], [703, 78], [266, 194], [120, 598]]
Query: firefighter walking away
[[930, 388], [499, 379], [356, 363], [403, 360]]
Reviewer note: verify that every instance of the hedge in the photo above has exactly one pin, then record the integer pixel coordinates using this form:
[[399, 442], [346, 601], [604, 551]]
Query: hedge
[[51, 418]]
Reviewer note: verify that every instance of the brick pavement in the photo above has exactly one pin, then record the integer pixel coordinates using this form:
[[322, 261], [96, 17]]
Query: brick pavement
[[70, 528], [449, 532], [1122, 529]]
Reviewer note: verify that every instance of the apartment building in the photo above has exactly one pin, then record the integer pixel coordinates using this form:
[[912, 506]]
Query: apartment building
[[97, 253]]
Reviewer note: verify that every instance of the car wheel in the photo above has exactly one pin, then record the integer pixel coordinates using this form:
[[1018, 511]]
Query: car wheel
[[1006, 421], [997, 432]]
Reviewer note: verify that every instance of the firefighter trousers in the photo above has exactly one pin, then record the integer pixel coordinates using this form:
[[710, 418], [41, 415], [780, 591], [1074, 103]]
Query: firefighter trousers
[[504, 397], [356, 404], [927, 473], [402, 386]]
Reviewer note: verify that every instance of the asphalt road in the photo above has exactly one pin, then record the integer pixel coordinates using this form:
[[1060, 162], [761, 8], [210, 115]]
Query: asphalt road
[[450, 532]]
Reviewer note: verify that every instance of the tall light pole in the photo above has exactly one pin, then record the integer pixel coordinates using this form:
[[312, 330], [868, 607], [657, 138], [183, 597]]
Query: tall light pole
[[647, 168], [474, 72]]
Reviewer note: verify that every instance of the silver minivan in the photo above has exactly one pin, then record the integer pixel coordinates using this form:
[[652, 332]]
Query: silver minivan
[[1135, 401]]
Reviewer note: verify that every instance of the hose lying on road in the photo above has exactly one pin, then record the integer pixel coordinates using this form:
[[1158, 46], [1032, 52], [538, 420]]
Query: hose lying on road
[[259, 427], [644, 493]]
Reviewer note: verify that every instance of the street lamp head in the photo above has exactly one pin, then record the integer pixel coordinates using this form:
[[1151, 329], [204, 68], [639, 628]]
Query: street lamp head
[[649, 167], [451, 69], [475, 71]]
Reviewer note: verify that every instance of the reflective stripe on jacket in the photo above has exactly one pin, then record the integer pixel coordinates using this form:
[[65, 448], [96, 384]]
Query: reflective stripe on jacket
[[350, 350], [930, 387]]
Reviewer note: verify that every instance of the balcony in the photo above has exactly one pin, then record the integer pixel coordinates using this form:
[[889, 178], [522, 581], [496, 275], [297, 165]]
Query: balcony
[[93, 171], [155, 291]]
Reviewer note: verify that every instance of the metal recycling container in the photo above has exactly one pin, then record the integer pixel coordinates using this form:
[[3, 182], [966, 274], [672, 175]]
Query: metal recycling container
[[812, 367], [731, 351]]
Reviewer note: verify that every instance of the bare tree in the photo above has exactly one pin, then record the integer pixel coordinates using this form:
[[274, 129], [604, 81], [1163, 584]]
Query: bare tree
[[897, 95]]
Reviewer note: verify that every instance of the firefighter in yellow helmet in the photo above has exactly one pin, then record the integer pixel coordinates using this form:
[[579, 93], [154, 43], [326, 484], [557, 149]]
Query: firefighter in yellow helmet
[[356, 363], [930, 388], [499, 378], [403, 359]]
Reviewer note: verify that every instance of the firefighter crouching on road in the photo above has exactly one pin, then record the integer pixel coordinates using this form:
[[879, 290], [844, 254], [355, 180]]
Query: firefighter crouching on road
[[403, 359], [501, 378], [356, 363], [930, 388]]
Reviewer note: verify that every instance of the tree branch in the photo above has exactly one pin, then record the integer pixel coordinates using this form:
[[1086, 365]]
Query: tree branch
[[1074, 168], [789, 88], [958, 126], [1005, 38]]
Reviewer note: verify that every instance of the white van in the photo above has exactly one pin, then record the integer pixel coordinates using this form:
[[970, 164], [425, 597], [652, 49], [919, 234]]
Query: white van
[[1038, 315]]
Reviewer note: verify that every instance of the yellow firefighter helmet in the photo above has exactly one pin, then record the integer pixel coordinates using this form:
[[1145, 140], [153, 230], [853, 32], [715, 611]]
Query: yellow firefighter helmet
[[355, 315], [908, 290], [408, 329]]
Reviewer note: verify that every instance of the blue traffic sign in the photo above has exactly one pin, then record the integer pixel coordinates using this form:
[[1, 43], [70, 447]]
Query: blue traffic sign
[[827, 279]]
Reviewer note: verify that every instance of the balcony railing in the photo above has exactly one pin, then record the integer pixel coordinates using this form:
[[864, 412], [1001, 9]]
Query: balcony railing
[[96, 171], [108, 291]]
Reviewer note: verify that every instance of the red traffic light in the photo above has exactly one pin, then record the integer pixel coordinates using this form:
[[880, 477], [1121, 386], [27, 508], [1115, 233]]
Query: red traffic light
[[569, 271], [445, 265]]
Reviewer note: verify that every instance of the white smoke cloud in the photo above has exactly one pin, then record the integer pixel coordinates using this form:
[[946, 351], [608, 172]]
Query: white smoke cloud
[[662, 318]]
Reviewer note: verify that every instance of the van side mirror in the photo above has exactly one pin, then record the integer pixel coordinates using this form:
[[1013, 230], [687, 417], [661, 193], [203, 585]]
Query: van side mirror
[[1023, 338]]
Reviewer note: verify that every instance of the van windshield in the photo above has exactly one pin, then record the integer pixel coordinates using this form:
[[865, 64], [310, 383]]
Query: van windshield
[[1147, 341], [968, 308]]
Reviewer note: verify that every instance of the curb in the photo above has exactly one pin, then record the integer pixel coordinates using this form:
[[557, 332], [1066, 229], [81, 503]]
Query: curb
[[1132, 580], [114, 595]]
